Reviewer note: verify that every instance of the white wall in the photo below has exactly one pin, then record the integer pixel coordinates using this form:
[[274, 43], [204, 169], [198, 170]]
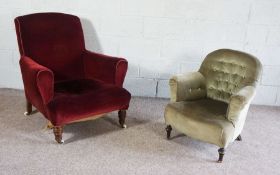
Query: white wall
[[160, 37]]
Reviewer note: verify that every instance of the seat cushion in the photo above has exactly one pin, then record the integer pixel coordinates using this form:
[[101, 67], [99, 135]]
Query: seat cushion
[[201, 119], [78, 99]]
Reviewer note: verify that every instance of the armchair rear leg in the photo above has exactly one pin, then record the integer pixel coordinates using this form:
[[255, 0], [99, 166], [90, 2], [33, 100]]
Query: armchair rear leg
[[58, 130], [122, 116], [28, 108], [221, 154], [239, 138], [168, 131]]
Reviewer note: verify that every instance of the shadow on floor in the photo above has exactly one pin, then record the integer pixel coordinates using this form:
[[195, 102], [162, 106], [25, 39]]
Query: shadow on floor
[[98, 127]]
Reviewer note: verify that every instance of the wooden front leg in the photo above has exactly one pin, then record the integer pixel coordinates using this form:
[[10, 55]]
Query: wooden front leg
[[28, 108], [58, 130], [221, 154], [122, 116], [168, 131]]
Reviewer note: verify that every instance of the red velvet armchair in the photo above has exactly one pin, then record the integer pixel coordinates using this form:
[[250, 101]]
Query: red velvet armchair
[[63, 80]]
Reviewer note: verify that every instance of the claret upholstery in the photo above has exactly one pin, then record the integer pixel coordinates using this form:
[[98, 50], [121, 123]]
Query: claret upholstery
[[63, 80], [211, 104]]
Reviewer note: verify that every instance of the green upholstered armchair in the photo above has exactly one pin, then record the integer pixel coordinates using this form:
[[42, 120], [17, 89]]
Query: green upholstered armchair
[[211, 105]]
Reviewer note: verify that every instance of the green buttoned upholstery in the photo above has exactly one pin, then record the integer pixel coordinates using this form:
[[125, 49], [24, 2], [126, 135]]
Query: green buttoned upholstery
[[190, 86], [227, 71], [211, 105]]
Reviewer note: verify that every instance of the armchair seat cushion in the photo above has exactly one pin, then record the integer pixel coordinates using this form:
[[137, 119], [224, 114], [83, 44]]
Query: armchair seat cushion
[[203, 119], [77, 99]]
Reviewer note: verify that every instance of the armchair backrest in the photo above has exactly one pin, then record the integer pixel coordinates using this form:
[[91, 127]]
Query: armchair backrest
[[227, 71], [54, 40]]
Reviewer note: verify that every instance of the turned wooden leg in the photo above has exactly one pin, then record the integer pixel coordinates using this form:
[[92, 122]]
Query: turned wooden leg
[[239, 138], [28, 108], [168, 131], [221, 154], [58, 130], [122, 115]]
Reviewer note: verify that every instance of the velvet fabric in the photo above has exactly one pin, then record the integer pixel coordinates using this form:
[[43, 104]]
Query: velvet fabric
[[94, 61], [54, 40], [203, 119], [227, 71], [85, 97], [189, 86], [212, 104], [61, 78]]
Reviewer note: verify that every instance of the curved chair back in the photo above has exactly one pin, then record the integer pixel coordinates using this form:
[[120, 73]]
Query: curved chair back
[[227, 71], [54, 40]]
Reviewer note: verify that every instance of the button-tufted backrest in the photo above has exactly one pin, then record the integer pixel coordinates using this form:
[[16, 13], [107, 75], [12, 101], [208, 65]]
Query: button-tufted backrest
[[227, 71]]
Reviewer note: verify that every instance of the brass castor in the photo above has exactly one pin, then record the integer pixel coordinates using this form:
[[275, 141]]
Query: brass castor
[[28, 108], [122, 116], [58, 130], [27, 113]]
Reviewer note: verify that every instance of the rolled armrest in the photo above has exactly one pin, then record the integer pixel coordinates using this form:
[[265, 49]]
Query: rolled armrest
[[105, 68], [239, 104], [38, 80], [189, 86]]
